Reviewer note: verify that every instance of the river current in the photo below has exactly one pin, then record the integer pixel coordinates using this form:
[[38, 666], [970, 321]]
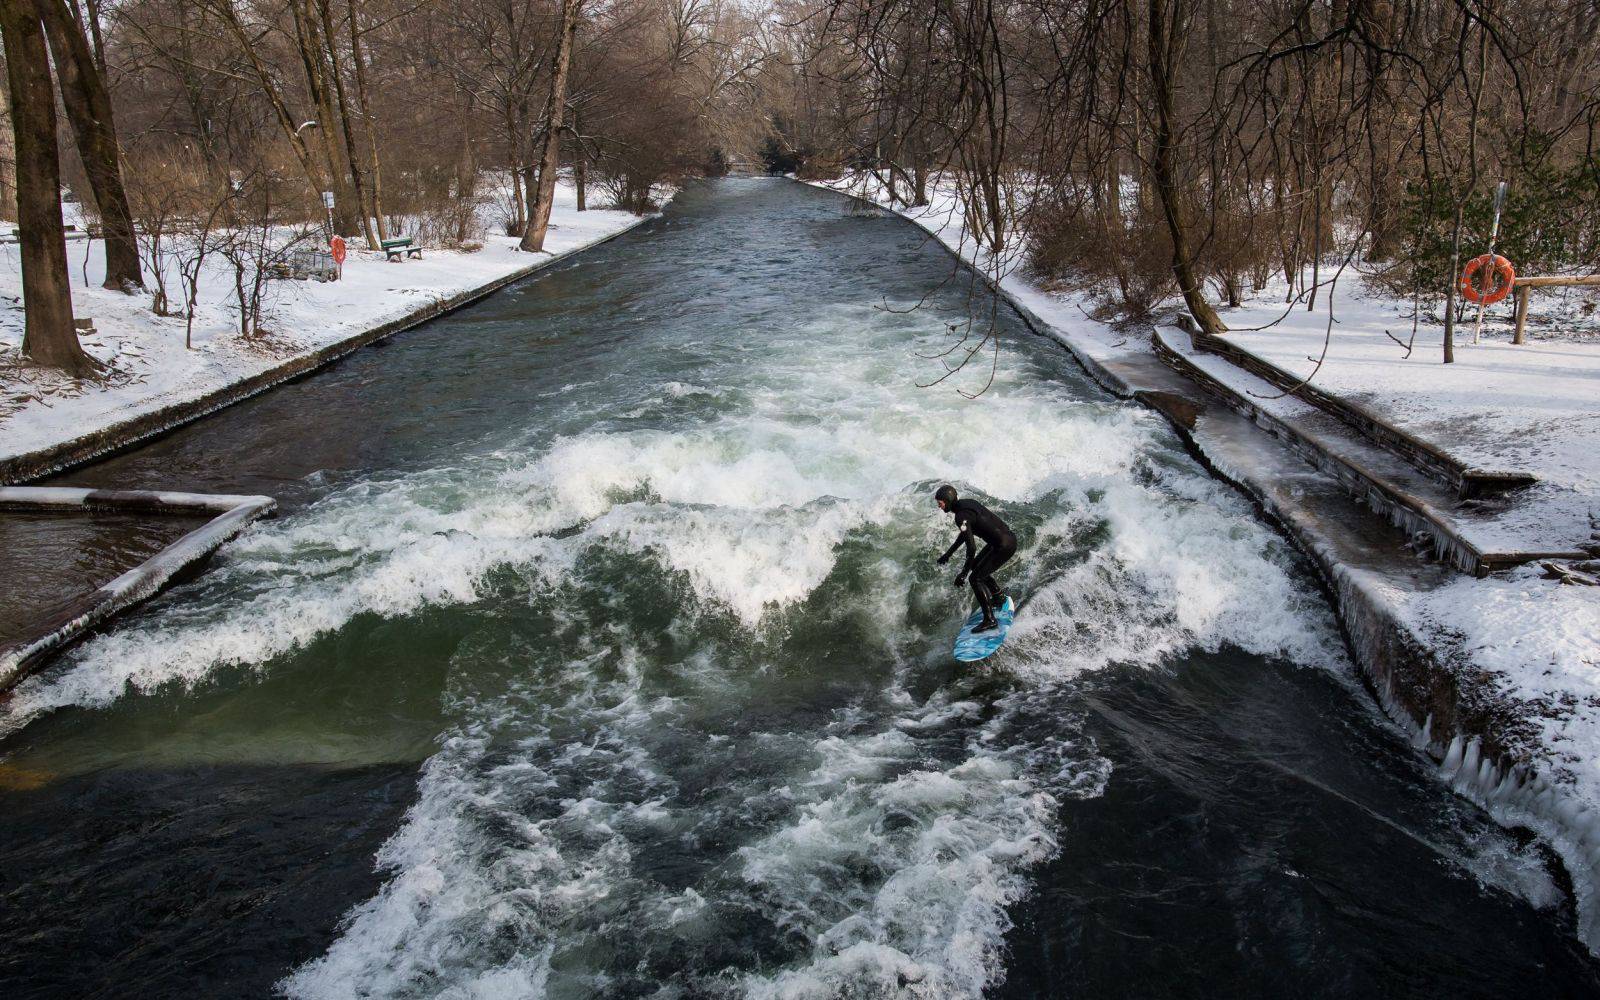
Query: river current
[[599, 651]]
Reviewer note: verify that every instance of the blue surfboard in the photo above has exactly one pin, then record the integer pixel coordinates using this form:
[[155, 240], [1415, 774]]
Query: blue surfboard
[[970, 647]]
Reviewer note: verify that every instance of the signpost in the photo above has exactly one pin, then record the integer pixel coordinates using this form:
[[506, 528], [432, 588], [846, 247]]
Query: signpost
[[337, 248], [1494, 233]]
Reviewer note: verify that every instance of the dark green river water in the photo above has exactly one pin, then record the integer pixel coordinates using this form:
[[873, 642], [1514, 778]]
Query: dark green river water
[[599, 652]]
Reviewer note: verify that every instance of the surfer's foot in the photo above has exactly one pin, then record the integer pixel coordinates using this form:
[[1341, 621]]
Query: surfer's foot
[[987, 625]]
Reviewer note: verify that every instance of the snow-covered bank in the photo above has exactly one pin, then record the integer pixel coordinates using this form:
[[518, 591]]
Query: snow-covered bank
[[1532, 408], [151, 372], [1511, 662]]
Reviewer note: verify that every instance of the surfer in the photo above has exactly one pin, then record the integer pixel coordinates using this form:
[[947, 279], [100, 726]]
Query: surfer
[[975, 521]]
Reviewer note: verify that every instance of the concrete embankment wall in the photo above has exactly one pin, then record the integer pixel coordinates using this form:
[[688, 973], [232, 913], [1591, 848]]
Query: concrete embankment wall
[[226, 517]]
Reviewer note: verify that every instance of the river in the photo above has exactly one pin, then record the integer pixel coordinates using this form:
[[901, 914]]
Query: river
[[599, 651]]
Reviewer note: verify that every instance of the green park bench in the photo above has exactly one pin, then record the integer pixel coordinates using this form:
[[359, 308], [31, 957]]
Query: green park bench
[[398, 249]]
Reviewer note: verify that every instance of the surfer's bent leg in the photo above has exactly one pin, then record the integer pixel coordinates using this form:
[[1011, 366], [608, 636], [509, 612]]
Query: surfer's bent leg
[[991, 559], [982, 586]]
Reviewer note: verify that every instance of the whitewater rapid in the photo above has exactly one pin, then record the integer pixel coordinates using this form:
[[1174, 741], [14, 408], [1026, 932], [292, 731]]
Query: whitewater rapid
[[608, 608], [679, 577]]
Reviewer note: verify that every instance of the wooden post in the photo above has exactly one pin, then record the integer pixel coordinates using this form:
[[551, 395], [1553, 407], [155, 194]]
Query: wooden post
[[1499, 199], [1521, 292], [1525, 285]]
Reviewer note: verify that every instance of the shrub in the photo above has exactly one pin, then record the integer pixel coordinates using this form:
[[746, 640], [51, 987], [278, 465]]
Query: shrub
[[1127, 259], [450, 222], [1550, 220]]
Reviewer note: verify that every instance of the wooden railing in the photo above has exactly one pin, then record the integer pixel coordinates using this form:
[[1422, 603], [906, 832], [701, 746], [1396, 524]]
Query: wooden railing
[[1526, 285]]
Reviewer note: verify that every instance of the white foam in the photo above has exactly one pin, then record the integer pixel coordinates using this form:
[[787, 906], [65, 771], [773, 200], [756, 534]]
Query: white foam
[[901, 884], [889, 853], [1173, 573], [743, 510], [485, 872], [382, 552], [750, 561]]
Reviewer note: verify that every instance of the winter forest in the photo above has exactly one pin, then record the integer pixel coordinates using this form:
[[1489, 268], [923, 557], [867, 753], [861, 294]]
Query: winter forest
[[1151, 151]]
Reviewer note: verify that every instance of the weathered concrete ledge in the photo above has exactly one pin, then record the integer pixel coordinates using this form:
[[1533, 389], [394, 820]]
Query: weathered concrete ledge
[[1466, 480], [229, 516], [121, 435], [1377, 477]]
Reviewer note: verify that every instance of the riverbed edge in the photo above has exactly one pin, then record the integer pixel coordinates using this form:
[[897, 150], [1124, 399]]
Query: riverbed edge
[[103, 441], [1418, 687], [226, 516]]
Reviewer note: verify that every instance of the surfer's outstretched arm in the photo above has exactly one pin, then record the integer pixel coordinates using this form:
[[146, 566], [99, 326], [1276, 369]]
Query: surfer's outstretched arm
[[963, 538], [952, 549]]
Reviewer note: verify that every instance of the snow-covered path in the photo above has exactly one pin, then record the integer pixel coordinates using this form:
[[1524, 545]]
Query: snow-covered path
[[151, 370]]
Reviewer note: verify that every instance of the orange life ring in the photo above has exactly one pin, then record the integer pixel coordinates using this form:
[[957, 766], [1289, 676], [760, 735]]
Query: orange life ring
[[1504, 277]]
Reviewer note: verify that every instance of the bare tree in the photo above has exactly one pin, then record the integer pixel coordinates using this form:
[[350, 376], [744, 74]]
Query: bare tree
[[48, 337], [550, 158], [88, 105]]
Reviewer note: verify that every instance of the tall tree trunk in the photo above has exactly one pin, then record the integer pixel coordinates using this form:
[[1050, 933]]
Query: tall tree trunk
[[88, 18], [530, 189], [466, 168], [1464, 195], [550, 161], [1111, 219], [88, 105], [519, 204], [1450, 288], [375, 164], [8, 174], [347, 130], [1383, 170], [580, 163], [1163, 32], [307, 40], [48, 336], [269, 88]]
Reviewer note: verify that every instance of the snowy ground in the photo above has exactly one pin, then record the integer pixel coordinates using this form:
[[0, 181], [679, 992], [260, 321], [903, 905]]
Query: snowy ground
[[1533, 408], [150, 367]]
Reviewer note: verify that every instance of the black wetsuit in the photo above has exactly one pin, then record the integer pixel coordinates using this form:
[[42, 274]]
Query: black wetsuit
[[975, 521]]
